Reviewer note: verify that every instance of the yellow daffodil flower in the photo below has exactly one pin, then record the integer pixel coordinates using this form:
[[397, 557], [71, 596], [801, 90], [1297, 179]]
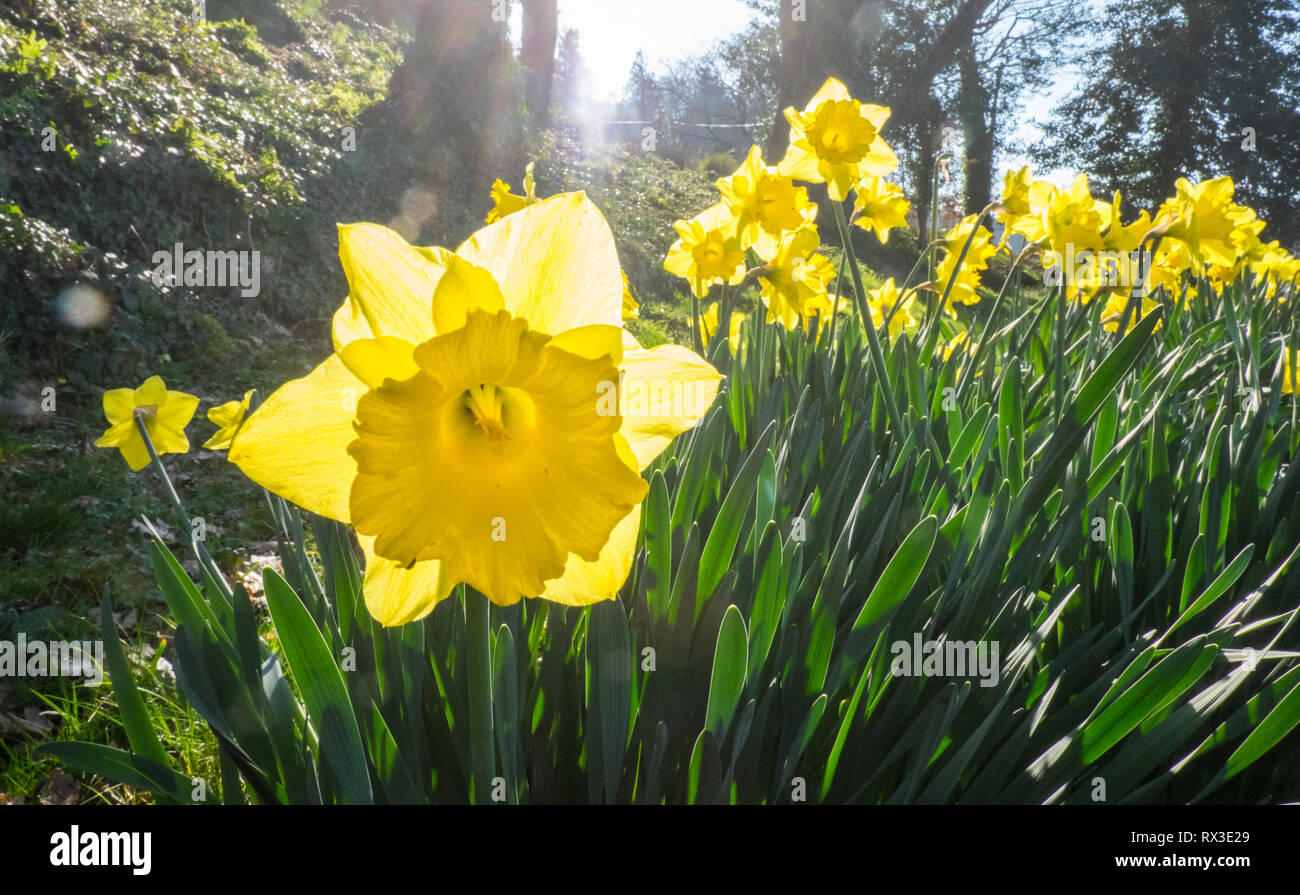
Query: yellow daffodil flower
[[630, 307], [228, 417], [1290, 374], [165, 415], [886, 304], [879, 206], [1074, 218], [505, 202], [484, 418], [1114, 309], [763, 203], [1205, 217], [708, 251], [794, 281], [822, 313], [709, 326], [967, 279], [960, 343], [836, 140]]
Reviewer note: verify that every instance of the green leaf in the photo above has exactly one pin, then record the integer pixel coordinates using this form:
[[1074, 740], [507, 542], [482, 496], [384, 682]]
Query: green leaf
[[1160, 686], [321, 683], [1276, 725], [721, 543], [901, 574], [123, 767], [135, 719], [730, 664]]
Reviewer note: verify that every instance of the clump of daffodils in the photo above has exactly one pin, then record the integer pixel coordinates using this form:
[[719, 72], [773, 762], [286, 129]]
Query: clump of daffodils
[[764, 225]]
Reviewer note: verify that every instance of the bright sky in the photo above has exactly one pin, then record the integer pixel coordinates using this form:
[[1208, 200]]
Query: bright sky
[[611, 31]]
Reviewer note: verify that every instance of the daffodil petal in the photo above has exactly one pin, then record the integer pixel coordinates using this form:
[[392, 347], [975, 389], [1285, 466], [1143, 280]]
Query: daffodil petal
[[176, 411], [396, 594], [374, 360], [119, 404], [117, 434], [135, 453], [167, 440], [390, 285], [665, 391], [583, 582], [555, 263], [463, 287], [151, 391], [296, 443], [592, 342]]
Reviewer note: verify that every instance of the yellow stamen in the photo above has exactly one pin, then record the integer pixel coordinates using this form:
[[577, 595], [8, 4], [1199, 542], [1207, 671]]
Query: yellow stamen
[[486, 402]]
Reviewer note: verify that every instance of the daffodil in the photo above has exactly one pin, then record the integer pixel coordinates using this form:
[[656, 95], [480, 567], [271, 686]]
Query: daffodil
[[1205, 217], [1290, 374], [708, 251], [965, 280], [888, 307], [1114, 310], [228, 418], [165, 415], [1073, 218], [959, 343], [763, 203], [630, 307], [505, 202], [879, 206], [793, 283], [709, 326], [471, 423], [836, 140], [1015, 193], [822, 313]]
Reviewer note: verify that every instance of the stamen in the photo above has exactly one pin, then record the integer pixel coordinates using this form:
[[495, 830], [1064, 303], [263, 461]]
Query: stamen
[[487, 403]]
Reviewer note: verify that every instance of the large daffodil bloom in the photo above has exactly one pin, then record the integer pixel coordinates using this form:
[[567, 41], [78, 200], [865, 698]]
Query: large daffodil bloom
[[836, 140], [165, 414], [470, 424]]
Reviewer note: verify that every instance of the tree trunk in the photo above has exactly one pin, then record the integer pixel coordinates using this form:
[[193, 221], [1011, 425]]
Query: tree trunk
[[537, 53], [973, 109]]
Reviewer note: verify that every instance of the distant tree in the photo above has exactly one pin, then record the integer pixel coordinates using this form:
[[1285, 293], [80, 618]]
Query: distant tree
[[570, 70], [1171, 94]]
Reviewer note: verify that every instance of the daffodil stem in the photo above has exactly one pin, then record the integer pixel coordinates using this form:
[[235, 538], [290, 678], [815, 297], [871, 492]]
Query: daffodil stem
[[478, 631], [1060, 351], [697, 335], [182, 516], [873, 340]]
